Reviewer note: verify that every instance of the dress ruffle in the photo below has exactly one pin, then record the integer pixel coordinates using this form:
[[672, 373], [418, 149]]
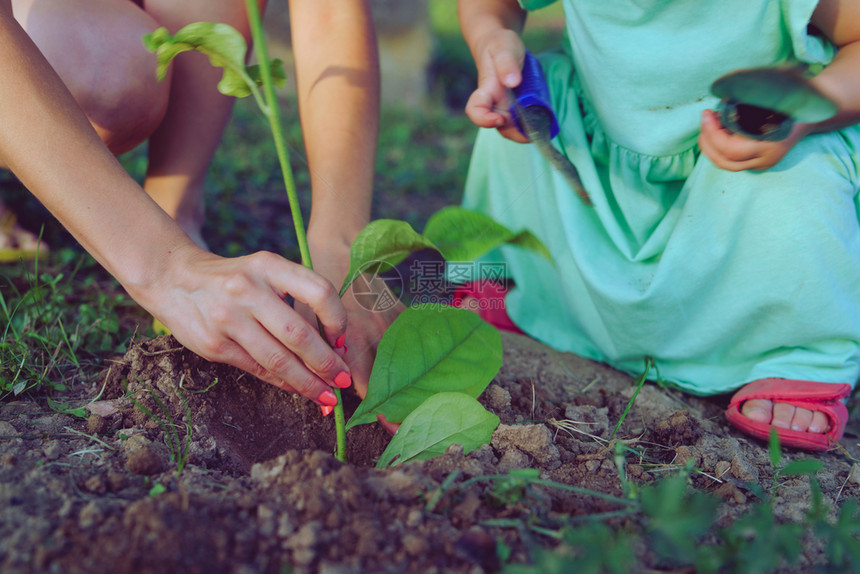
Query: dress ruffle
[[652, 168]]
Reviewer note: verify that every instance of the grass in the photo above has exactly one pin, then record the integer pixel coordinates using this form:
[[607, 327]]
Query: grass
[[679, 527], [59, 320]]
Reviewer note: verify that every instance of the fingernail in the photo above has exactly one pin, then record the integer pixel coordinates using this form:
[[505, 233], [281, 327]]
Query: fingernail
[[343, 380], [340, 342], [511, 80], [327, 398], [326, 410]]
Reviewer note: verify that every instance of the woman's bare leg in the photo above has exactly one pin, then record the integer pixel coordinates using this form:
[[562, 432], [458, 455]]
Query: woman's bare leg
[[181, 150], [95, 47]]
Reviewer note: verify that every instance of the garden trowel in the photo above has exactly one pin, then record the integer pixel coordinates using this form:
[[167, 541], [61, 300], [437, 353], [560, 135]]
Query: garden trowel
[[534, 117], [764, 103]]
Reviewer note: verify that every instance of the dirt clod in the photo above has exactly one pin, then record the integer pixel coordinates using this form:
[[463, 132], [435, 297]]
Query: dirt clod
[[97, 424], [144, 461]]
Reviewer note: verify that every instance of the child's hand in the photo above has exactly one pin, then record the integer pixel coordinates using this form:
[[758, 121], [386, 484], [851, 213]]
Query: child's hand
[[734, 152], [367, 321], [499, 59]]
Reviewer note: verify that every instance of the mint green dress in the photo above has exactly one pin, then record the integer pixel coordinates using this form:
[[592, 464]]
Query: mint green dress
[[723, 278]]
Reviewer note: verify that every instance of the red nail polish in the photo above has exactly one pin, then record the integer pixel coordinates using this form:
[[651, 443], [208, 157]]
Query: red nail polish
[[340, 341], [326, 410], [343, 380], [327, 399]]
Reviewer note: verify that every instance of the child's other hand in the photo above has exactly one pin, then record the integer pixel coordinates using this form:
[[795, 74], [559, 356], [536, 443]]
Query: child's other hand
[[370, 306], [499, 59], [734, 152]]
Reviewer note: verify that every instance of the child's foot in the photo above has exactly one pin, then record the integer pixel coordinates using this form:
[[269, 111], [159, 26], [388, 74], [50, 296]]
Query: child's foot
[[805, 414], [786, 416]]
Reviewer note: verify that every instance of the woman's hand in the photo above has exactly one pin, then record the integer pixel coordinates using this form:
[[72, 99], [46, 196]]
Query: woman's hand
[[734, 152], [233, 311]]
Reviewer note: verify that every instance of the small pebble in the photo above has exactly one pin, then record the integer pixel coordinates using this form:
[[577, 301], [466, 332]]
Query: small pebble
[[52, 450], [854, 473]]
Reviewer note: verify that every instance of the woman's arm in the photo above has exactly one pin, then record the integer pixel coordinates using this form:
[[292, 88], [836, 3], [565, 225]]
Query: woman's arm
[[227, 310]]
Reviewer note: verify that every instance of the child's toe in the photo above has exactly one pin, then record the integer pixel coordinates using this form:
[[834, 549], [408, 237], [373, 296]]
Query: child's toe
[[759, 410]]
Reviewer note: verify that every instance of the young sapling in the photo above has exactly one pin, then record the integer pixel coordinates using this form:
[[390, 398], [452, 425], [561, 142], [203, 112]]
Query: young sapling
[[452, 355]]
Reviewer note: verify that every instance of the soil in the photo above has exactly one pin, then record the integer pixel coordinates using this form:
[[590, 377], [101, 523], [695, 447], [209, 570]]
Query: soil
[[260, 491]]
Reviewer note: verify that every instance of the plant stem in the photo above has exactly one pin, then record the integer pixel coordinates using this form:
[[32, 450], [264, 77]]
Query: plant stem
[[273, 114], [649, 362], [339, 428]]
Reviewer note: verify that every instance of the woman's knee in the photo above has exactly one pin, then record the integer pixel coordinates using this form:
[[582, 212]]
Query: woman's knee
[[96, 48]]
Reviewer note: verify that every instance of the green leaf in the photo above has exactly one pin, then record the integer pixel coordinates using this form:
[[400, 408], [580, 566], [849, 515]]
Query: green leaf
[[276, 66], [442, 420], [774, 449], [799, 467], [463, 235], [381, 245], [429, 349], [677, 517], [66, 409], [157, 490], [225, 47], [759, 543]]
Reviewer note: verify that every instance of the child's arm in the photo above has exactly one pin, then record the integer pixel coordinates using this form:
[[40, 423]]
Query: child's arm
[[839, 20], [227, 310], [491, 28], [337, 75]]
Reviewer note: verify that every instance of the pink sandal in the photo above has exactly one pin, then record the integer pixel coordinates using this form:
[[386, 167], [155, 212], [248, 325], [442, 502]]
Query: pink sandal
[[489, 297], [821, 397]]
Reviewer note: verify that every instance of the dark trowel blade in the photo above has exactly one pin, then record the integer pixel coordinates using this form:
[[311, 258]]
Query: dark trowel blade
[[536, 124], [532, 112]]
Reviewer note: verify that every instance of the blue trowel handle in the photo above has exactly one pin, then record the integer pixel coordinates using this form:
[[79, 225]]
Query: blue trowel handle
[[533, 91]]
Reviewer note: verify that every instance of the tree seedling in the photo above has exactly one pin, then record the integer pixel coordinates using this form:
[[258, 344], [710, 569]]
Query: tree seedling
[[430, 384]]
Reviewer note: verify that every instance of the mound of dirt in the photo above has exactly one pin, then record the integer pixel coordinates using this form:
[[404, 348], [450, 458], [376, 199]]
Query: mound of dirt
[[260, 492]]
